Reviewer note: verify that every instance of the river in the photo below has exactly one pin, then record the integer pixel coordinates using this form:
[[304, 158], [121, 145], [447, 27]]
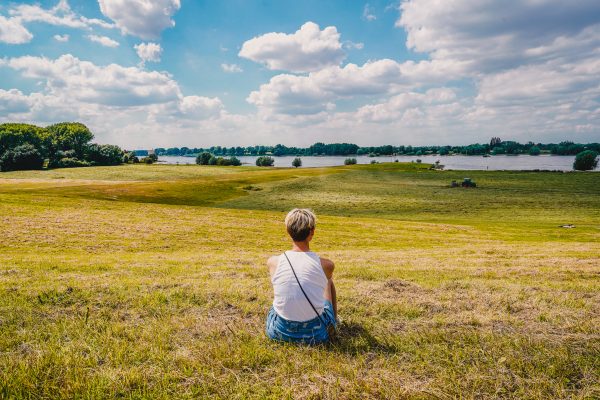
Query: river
[[456, 162]]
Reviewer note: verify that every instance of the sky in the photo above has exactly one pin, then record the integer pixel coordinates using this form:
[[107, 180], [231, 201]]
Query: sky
[[198, 73]]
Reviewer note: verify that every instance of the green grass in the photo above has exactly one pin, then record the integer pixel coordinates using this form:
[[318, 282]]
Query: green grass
[[150, 282]]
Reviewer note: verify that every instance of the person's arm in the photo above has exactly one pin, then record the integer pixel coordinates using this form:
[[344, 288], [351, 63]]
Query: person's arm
[[330, 294], [272, 264], [328, 267]]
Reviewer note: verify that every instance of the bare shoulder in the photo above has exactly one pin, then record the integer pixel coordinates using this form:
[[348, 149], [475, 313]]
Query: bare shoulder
[[328, 266], [272, 261]]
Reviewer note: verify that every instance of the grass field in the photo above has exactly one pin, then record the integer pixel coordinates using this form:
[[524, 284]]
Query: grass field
[[150, 282]]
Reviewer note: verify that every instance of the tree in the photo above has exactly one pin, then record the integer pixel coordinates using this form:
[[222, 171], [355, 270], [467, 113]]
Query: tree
[[235, 161], [22, 157], [495, 141], [203, 158], [586, 160], [534, 151], [297, 162], [70, 136], [104, 154], [350, 161], [265, 161], [13, 135]]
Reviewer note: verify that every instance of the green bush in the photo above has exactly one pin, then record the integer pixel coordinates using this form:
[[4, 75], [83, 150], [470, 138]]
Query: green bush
[[350, 161], [265, 161], [297, 162], [235, 161], [21, 157], [586, 160], [147, 160], [534, 151], [70, 162], [203, 158], [104, 154]]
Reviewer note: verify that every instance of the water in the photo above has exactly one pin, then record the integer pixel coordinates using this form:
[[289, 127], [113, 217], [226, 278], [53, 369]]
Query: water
[[492, 163]]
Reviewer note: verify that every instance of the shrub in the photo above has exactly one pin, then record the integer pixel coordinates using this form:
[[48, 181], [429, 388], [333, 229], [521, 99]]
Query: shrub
[[70, 162], [235, 161], [265, 161], [297, 162], [21, 157], [534, 151], [203, 158], [350, 161], [212, 160], [147, 160], [374, 162], [104, 154], [586, 160]]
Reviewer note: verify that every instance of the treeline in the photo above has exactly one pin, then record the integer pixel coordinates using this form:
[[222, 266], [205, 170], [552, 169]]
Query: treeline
[[66, 144], [496, 146]]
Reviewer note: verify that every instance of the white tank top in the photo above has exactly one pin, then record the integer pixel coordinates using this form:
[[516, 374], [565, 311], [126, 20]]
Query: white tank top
[[289, 302]]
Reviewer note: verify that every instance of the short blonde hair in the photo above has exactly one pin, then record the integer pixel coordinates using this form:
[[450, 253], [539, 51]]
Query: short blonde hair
[[299, 223]]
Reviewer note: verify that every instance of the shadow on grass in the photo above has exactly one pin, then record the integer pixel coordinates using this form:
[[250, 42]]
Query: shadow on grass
[[353, 338]]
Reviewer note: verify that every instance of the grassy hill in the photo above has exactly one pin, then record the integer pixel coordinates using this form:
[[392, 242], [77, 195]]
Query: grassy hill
[[149, 281]]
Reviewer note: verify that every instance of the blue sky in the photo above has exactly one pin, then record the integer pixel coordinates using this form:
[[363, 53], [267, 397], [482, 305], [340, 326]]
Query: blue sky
[[147, 73]]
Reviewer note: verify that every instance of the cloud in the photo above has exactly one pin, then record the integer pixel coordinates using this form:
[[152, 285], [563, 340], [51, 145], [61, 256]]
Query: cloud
[[14, 101], [231, 68], [293, 94], [308, 49], [141, 104], [490, 36], [406, 106], [368, 13], [145, 19], [12, 32], [352, 45], [111, 85], [103, 40], [61, 38], [148, 51], [59, 15]]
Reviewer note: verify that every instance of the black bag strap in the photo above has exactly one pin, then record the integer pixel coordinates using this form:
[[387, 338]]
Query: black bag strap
[[303, 292]]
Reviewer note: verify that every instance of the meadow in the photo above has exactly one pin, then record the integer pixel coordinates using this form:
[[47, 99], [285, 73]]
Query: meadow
[[149, 281]]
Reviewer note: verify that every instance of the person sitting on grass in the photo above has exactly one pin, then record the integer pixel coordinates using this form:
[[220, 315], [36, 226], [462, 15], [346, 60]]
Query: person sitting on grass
[[304, 305]]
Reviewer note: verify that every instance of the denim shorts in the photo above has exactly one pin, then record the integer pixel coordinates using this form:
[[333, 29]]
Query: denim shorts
[[310, 332]]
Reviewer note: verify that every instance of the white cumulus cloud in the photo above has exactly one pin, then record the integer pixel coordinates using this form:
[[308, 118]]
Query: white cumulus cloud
[[231, 68], [308, 49], [148, 51], [103, 40], [61, 38], [145, 19], [13, 32], [59, 15]]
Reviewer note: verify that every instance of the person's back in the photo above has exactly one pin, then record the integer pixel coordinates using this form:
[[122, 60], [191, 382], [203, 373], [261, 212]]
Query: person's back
[[304, 303], [289, 301]]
